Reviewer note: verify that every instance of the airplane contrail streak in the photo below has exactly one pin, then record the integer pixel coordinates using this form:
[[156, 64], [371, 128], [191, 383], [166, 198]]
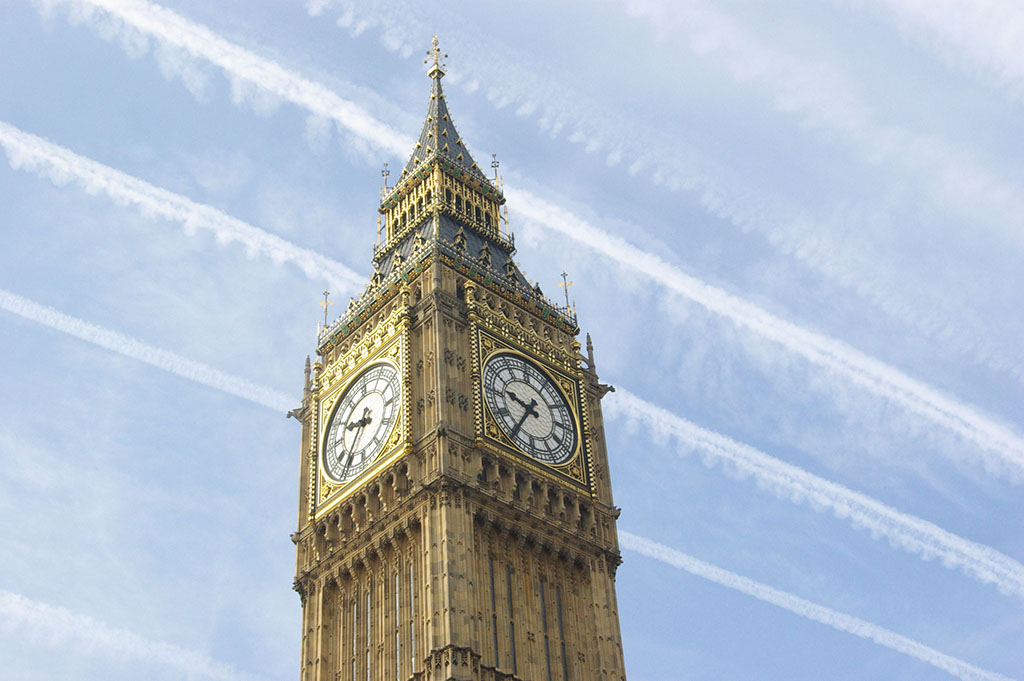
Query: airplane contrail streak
[[1002, 450], [158, 357], [21, 616], [792, 483], [812, 611], [29, 152], [173, 29]]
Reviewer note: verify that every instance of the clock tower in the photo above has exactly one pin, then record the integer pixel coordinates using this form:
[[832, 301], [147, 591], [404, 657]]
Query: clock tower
[[455, 512]]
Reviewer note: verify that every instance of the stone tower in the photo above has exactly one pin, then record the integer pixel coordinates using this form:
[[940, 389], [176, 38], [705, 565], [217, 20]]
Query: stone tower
[[455, 513]]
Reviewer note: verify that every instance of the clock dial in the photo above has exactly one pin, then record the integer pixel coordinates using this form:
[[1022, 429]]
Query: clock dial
[[529, 408], [362, 422]]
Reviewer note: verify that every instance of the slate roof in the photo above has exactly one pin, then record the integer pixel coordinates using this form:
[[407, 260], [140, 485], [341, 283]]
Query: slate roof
[[439, 134], [447, 237]]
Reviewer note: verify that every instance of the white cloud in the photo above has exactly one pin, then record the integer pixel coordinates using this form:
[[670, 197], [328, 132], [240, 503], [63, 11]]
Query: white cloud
[[220, 173], [984, 35], [823, 96]]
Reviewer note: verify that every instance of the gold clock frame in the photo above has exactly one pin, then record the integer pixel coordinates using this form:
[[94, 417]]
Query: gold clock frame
[[490, 436], [335, 399], [386, 343]]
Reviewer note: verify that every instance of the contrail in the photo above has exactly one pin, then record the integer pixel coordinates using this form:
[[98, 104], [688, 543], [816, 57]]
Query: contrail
[[175, 30], [29, 152], [130, 347], [62, 627], [791, 483], [986, 34], [804, 608], [1003, 451]]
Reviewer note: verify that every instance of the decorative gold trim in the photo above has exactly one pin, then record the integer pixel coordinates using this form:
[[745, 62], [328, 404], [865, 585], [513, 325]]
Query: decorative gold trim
[[340, 332], [386, 341], [578, 467], [340, 493], [527, 321], [330, 403]]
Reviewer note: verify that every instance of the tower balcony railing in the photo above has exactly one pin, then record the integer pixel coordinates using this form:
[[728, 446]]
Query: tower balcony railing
[[395, 236], [359, 309]]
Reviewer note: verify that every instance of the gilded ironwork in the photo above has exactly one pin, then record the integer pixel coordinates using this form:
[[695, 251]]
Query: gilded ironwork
[[576, 468], [383, 341]]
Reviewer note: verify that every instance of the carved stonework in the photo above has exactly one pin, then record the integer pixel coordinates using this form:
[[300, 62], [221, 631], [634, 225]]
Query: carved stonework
[[453, 525]]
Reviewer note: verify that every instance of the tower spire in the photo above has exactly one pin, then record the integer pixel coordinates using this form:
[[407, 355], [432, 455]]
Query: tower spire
[[443, 197], [439, 138]]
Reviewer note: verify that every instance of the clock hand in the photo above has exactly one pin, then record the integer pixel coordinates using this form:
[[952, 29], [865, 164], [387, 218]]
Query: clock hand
[[361, 422], [515, 398], [360, 425], [352, 451], [529, 411]]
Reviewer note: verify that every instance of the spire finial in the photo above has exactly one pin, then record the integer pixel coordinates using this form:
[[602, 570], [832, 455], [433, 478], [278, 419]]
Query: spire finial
[[325, 303], [308, 384], [436, 69], [590, 352], [565, 285]]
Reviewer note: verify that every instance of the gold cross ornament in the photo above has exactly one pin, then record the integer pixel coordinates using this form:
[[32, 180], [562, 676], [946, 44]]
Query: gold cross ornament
[[565, 285], [324, 303]]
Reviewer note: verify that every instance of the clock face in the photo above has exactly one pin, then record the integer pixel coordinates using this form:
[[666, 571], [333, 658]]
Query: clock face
[[362, 422], [529, 408]]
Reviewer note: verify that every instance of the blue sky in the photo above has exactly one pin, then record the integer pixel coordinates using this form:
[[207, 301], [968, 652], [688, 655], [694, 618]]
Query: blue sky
[[794, 231]]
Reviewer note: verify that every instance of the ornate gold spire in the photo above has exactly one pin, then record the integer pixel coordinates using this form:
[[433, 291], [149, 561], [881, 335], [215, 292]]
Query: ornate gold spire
[[440, 178], [436, 69]]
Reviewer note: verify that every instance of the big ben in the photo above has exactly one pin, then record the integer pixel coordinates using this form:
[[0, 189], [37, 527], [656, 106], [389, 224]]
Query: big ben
[[455, 517]]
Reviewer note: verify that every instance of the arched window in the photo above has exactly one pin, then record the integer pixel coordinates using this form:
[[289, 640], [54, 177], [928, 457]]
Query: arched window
[[448, 196], [458, 202], [478, 215]]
